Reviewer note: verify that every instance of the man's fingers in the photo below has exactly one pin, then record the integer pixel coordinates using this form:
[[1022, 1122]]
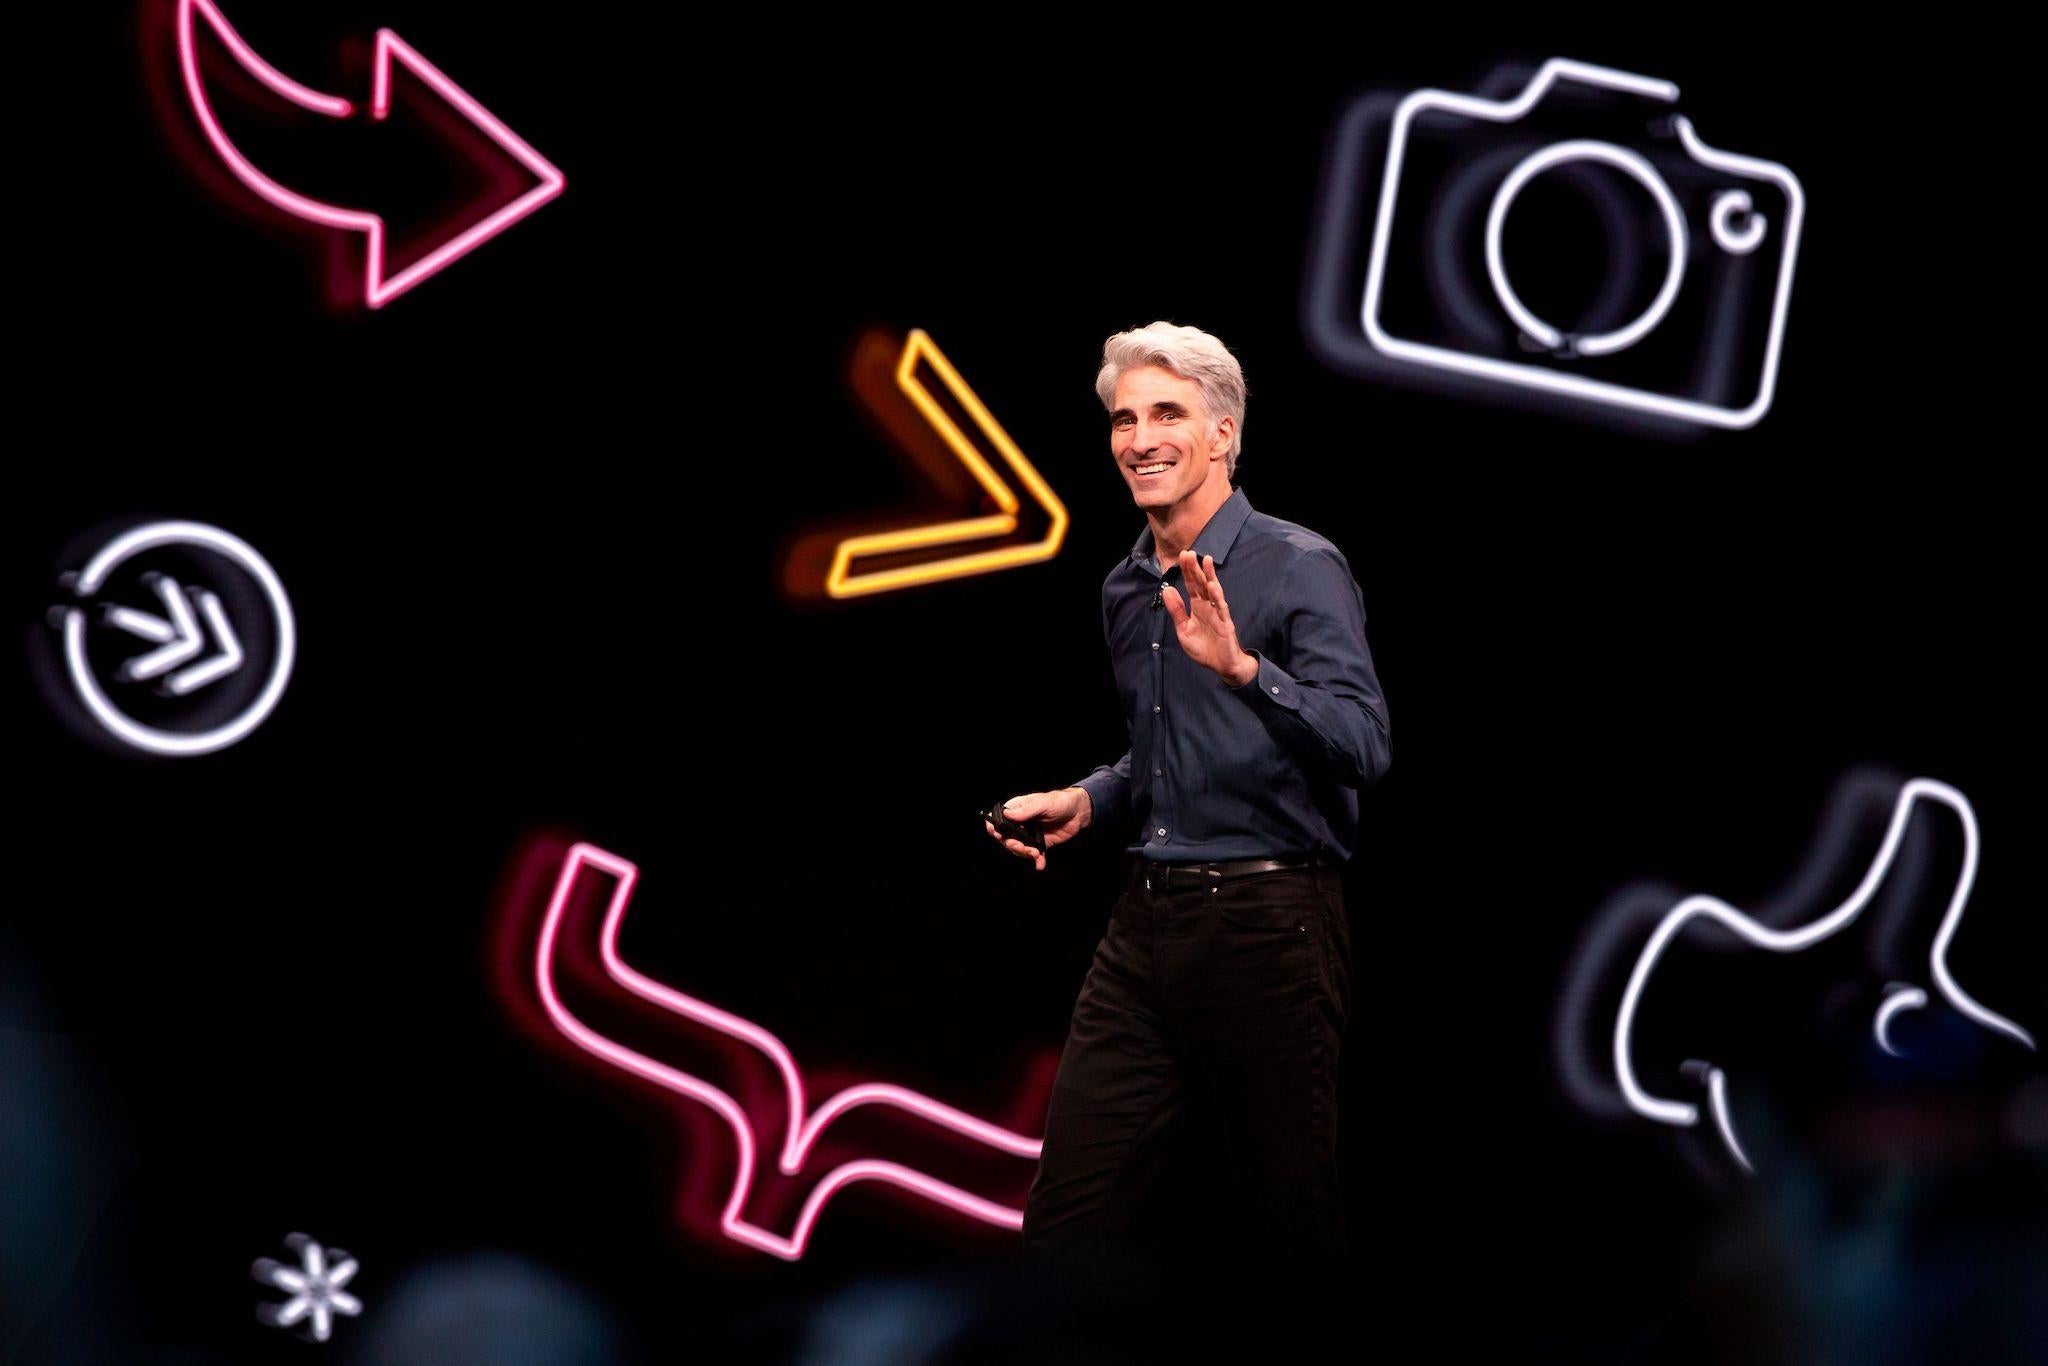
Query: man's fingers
[[1014, 846], [1212, 587]]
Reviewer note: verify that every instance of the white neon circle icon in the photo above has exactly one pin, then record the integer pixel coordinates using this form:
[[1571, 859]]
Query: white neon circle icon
[[1728, 206], [158, 741], [1622, 159]]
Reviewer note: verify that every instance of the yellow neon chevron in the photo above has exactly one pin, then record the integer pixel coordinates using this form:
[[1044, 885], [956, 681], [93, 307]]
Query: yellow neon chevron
[[841, 583]]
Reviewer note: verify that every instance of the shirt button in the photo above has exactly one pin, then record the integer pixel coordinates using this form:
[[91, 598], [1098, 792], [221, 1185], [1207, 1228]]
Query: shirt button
[[1276, 687], [1155, 709], [1162, 832], [1159, 773]]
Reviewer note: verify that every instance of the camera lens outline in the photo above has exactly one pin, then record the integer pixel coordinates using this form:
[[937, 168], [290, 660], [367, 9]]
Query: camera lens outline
[[1608, 154]]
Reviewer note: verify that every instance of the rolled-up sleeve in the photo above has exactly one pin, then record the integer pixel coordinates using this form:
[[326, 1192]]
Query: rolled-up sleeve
[[1324, 702]]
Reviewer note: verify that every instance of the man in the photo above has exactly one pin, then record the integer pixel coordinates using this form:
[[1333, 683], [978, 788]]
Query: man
[[1238, 643]]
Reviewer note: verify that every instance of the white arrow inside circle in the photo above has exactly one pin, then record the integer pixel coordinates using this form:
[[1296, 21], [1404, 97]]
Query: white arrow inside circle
[[179, 639]]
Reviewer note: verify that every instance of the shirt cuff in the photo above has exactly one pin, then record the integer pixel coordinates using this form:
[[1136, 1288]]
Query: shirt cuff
[[1106, 791], [1271, 684]]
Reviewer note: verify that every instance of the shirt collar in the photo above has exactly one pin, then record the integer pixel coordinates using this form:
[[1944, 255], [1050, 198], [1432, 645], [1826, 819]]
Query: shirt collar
[[1216, 537]]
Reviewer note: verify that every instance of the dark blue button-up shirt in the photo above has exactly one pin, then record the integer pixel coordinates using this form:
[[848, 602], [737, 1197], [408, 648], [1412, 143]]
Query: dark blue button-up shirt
[[1269, 770]]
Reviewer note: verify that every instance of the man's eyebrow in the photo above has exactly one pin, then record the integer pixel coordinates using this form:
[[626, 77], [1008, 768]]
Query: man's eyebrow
[[1119, 413]]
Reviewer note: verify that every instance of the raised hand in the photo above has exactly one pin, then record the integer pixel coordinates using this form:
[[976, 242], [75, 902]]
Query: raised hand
[[1203, 624]]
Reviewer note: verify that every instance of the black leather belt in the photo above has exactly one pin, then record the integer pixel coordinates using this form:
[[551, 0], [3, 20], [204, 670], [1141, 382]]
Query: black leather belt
[[1167, 876]]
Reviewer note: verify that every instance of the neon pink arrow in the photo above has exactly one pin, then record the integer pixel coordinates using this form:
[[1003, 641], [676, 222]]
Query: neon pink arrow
[[379, 288], [803, 1130]]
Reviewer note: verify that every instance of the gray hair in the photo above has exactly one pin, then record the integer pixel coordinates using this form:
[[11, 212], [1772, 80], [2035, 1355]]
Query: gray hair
[[1190, 353]]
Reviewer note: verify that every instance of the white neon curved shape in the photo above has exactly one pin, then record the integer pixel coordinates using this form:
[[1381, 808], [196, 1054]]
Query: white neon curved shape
[[1901, 999], [1795, 222], [1636, 166], [1717, 1097], [334, 106], [803, 1132], [378, 288], [151, 738], [1667, 1111], [1554, 381], [1736, 241]]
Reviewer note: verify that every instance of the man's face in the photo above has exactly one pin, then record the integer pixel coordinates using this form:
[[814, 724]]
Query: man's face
[[1159, 433]]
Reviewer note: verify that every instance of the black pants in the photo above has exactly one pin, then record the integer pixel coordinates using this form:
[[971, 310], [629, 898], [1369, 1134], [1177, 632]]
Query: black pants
[[1227, 997]]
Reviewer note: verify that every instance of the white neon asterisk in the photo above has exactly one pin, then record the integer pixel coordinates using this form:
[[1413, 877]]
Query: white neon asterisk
[[316, 1288]]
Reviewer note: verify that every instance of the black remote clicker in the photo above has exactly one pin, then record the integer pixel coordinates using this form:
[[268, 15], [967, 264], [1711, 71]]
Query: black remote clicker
[[1024, 832]]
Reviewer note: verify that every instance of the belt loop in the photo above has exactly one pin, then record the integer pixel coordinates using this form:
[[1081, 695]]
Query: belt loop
[[1315, 868]]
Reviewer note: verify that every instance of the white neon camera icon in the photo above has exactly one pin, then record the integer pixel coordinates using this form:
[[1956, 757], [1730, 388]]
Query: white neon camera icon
[[1729, 231]]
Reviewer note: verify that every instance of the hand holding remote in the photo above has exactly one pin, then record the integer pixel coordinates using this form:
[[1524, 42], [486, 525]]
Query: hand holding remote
[[1053, 817]]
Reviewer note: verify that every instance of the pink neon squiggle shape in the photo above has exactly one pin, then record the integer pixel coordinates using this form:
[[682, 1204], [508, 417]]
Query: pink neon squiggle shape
[[803, 1132], [378, 289]]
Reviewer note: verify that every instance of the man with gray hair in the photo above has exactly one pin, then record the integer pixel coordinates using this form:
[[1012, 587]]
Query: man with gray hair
[[1223, 978]]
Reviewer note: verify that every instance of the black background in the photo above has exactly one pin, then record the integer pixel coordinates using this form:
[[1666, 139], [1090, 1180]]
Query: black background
[[532, 518]]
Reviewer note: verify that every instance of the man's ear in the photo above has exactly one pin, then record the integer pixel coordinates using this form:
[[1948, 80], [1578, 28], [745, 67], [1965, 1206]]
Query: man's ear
[[1220, 437]]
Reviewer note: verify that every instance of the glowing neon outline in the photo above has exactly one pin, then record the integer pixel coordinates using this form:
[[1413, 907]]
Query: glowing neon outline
[[1900, 998], [315, 1287], [180, 639], [1727, 204], [1763, 936], [179, 743], [802, 1132], [842, 584], [377, 289], [1717, 1098], [221, 665], [180, 634], [1576, 386], [1608, 154]]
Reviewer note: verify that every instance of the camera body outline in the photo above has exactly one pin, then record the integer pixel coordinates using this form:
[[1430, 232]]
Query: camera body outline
[[1728, 205]]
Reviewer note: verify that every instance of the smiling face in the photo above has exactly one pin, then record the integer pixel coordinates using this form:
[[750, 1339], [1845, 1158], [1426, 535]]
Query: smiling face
[[1160, 433]]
